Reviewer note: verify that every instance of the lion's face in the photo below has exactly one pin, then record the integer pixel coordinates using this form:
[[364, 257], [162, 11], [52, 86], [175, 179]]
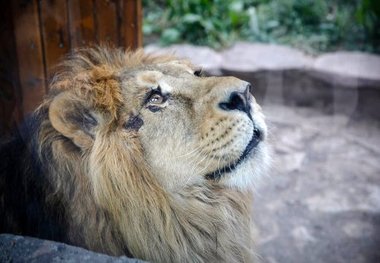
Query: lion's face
[[191, 128], [195, 128]]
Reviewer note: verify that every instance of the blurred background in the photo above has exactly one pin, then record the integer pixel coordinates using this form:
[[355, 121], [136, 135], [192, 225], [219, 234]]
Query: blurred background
[[314, 67], [311, 25]]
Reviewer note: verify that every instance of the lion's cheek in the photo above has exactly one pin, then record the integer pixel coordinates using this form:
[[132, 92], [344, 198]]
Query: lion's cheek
[[171, 164]]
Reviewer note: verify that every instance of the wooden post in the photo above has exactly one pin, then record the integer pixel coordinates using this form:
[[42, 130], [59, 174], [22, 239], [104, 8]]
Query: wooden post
[[131, 22], [41, 32], [106, 29], [55, 33], [10, 93], [82, 22], [31, 64]]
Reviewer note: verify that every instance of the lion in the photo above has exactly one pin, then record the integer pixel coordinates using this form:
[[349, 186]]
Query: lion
[[139, 155]]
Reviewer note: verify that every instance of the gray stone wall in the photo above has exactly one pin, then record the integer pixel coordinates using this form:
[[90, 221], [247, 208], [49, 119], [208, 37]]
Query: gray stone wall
[[18, 249]]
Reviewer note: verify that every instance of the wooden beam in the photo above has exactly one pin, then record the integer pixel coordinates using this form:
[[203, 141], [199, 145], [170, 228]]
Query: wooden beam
[[55, 32], [130, 17], [29, 53], [106, 22], [10, 96], [82, 22]]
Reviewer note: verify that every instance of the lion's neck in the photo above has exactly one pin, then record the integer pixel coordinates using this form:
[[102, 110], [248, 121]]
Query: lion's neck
[[202, 223], [215, 222]]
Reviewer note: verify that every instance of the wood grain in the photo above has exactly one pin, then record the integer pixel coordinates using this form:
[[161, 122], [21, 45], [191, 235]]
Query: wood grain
[[10, 95], [55, 32], [130, 19], [29, 53], [36, 34], [82, 23], [106, 22]]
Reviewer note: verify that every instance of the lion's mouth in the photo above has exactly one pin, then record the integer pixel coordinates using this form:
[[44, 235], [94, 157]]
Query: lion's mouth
[[255, 140]]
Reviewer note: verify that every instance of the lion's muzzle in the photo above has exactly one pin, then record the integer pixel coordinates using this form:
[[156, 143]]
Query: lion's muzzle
[[238, 101]]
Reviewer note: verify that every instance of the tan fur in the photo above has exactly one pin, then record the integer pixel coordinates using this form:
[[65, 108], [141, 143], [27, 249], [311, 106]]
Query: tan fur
[[122, 188]]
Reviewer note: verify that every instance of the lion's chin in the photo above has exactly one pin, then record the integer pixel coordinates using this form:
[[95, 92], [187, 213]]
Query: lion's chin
[[247, 175]]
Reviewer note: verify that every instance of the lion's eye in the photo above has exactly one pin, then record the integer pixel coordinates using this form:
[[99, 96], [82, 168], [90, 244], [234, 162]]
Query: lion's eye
[[156, 99], [198, 72]]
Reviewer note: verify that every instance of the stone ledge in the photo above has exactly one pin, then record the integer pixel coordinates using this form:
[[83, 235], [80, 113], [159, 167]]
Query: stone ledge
[[359, 65], [26, 249], [250, 57], [205, 57]]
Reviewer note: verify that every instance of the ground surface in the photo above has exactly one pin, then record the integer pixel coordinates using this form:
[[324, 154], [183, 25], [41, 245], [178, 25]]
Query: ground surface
[[321, 202]]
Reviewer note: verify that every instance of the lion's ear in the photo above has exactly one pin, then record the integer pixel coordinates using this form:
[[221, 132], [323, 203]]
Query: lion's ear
[[73, 120]]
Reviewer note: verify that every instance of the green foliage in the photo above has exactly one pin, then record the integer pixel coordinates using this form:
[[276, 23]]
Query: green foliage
[[204, 22], [368, 15], [313, 25]]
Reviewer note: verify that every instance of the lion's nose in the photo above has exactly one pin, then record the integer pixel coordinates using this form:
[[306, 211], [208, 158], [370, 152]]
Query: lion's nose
[[238, 101]]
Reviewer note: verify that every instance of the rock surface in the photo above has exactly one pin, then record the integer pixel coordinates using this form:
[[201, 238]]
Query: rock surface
[[250, 57], [205, 57], [350, 64], [321, 203], [26, 249]]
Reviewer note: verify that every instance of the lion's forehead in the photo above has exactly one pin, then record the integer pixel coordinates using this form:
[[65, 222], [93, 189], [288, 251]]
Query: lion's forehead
[[153, 79], [155, 72], [148, 78], [168, 83]]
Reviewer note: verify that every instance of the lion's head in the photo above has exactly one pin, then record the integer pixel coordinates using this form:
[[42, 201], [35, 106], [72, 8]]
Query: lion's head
[[191, 128], [167, 154]]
